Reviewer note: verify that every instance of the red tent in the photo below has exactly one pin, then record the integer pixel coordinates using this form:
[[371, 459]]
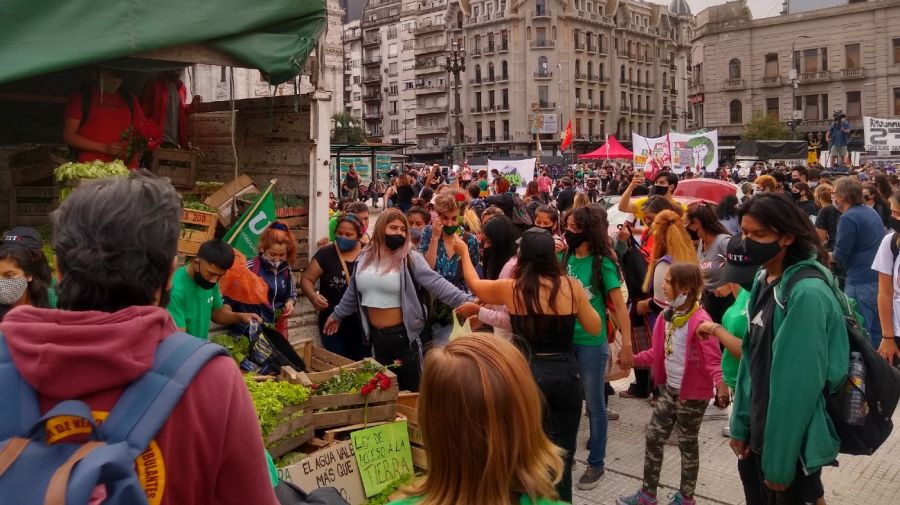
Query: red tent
[[612, 150]]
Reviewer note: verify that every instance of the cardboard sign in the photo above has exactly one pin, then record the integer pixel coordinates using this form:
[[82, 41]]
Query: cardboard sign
[[383, 455], [335, 466]]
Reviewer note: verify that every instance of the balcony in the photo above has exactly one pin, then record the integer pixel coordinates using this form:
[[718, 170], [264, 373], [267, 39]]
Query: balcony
[[428, 28], [475, 81], [394, 131], [502, 78], [503, 47], [475, 53], [735, 84], [579, 46], [428, 65], [543, 74], [579, 105], [431, 130], [541, 12], [503, 107], [371, 39], [372, 115], [489, 79], [625, 108], [593, 106], [423, 89], [666, 112], [543, 105], [605, 108], [770, 81], [372, 78], [853, 73], [434, 48], [590, 48], [666, 62], [815, 77], [431, 110], [489, 49], [476, 110], [580, 77], [673, 92], [372, 60], [602, 51], [372, 97], [543, 44], [695, 88], [374, 133]]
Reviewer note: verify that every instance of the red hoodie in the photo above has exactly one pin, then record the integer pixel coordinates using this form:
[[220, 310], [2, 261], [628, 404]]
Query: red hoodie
[[209, 451]]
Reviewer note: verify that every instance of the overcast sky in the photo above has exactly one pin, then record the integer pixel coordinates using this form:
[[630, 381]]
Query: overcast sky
[[760, 8]]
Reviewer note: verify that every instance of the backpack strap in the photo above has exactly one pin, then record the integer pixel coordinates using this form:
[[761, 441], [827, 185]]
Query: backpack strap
[[147, 402], [22, 408], [803, 273]]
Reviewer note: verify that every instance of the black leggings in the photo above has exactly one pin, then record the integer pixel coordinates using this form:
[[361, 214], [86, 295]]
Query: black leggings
[[390, 344]]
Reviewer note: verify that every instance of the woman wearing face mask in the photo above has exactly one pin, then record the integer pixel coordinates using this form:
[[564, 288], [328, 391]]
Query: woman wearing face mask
[[24, 279], [499, 259], [437, 247], [780, 429], [418, 219], [547, 217], [384, 291], [590, 259], [703, 226], [331, 268], [889, 285], [873, 199], [805, 199], [277, 252], [544, 304]]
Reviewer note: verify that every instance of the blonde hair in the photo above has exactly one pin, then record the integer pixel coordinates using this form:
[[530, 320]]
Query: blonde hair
[[501, 449], [581, 200], [823, 194], [669, 239], [378, 253], [445, 202]]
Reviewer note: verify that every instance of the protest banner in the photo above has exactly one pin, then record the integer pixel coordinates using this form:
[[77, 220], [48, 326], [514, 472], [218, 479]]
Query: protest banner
[[518, 172], [383, 455], [335, 466], [881, 135], [699, 151]]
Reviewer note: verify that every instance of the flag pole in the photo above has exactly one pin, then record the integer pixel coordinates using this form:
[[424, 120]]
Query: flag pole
[[249, 212]]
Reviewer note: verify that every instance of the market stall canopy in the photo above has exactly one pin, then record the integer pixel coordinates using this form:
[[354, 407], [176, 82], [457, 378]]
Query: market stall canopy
[[712, 190], [611, 150], [43, 36], [771, 150]]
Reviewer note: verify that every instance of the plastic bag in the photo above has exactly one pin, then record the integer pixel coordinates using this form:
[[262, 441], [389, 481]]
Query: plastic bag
[[242, 285], [614, 370], [460, 329]]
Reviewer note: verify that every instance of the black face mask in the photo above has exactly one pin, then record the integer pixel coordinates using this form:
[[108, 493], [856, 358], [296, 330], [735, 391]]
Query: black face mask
[[894, 224], [761, 253], [574, 240], [659, 190], [548, 228], [795, 181], [796, 195], [694, 235], [394, 242], [203, 283]]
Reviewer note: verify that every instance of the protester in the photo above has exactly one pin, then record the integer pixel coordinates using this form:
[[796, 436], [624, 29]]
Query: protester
[[726, 211], [405, 193], [827, 219], [581, 200], [351, 183], [29, 238], [859, 233], [277, 251], [589, 259], [195, 297], [504, 197], [805, 199], [24, 279], [108, 333], [837, 136], [547, 217], [544, 183], [872, 198], [686, 369], [712, 239], [780, 425], [886, 265], [566, 196], [664, 186], [383, 291], [499, 245], [332, 268], [544, 305], [418, 219], [516, 463], [766, 184]]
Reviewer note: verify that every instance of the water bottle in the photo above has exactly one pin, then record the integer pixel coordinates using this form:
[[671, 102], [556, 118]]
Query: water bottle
[[855, 407]]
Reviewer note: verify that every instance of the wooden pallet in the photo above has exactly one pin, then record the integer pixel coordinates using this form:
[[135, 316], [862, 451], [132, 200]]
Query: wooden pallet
[[276, 442], [346, 409], [318, 359], [180, 167], [408, 407]]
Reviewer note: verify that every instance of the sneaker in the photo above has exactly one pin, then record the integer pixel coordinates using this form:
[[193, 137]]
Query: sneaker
[[726, 430], [677, 499], [628, 394], [612, 415], [639, 498], [590, 478]]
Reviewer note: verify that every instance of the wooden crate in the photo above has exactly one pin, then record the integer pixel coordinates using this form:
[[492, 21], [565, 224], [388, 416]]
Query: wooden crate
[[318, 359], [180, 167], [190, 240], [277, 443], [408, 407], [349, 408], [32, 205], [36, 165], [221, 200]]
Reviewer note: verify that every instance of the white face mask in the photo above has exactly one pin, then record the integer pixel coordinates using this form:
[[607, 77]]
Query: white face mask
[[12, 290], [678, 301]]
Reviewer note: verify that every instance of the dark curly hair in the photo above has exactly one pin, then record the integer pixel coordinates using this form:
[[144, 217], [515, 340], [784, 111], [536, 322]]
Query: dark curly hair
[[593, 222]]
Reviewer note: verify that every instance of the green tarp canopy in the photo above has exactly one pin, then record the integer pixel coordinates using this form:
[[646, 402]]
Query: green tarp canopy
[[43, 36]]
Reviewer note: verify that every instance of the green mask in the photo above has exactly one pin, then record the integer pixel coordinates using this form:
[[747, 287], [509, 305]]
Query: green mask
[[451, 230]]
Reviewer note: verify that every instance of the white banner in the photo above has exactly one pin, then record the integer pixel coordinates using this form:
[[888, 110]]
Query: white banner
[[519, 172], [700, 151], [881, 135]]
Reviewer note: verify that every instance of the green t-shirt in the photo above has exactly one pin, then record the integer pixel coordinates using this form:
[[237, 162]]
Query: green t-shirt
[[581, 269], [51, 293], [190, 306], [735, 321], [523, 500], [332, 227]]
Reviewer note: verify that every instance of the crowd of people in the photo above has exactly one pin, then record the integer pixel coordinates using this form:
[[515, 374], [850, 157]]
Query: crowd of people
[[696, 297]]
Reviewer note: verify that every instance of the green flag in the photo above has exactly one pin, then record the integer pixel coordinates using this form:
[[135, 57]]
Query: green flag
[[244, 235]]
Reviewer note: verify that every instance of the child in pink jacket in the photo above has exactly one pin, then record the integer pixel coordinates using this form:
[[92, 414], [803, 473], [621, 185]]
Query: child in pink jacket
[[687, 370]]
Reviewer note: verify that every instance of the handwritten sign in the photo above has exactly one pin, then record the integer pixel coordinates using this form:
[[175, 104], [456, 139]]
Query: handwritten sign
[[383, 455], [334, 466]]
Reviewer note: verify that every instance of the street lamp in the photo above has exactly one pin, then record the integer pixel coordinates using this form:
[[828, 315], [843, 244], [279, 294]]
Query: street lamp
[[794, 78], [454, 63]]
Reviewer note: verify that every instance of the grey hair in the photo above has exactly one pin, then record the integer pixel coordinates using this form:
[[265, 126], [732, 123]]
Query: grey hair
[[115, 240], [850, 190]]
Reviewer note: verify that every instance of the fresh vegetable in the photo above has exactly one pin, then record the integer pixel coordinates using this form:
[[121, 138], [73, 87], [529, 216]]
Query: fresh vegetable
[[91, 170], [355, 381], [195, 205], [237, 346], [271, 397]]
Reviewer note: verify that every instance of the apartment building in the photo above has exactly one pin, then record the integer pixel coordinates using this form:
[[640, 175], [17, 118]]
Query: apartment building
[[352, 90], [802, 66]]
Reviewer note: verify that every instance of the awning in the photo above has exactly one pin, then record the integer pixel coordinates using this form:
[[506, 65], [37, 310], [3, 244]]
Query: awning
[[611, 150], [43, 36]]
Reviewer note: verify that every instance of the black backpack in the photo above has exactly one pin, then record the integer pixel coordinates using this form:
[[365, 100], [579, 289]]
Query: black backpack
[[882, 381]]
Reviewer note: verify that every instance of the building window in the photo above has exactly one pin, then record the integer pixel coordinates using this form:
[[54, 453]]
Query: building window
[[896, 51], [771, 68], [478, 131], [590, 68], [392, 50], [491, 102], [811, 109], [897, 101], [492, 130], [543, 66], [852, 56], [734, 69], [854, 104], [504, 97], [506, 129], [477, 73], [490, 72], [772, 107], [478, 100], [504, 69], [393, 109], [544, 95], [577, 67], [577, 127]]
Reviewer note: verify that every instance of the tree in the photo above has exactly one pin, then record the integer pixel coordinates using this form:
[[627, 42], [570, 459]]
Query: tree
[[347, 129], [764, 126]]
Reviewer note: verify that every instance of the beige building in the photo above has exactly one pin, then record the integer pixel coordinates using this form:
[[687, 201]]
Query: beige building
[[611, 67], [804, 65]]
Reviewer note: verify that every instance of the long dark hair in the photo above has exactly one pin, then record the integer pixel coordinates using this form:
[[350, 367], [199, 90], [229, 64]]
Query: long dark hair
[[779, 214], [705, 214], [727, 207], [531, 269], [33, 263], [592, 221], [503, 234]]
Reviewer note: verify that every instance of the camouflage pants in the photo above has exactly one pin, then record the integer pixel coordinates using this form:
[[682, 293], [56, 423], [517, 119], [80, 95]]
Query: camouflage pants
[[689, 415]]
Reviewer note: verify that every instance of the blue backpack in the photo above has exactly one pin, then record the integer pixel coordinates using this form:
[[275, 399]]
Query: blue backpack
[[32, 471]]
